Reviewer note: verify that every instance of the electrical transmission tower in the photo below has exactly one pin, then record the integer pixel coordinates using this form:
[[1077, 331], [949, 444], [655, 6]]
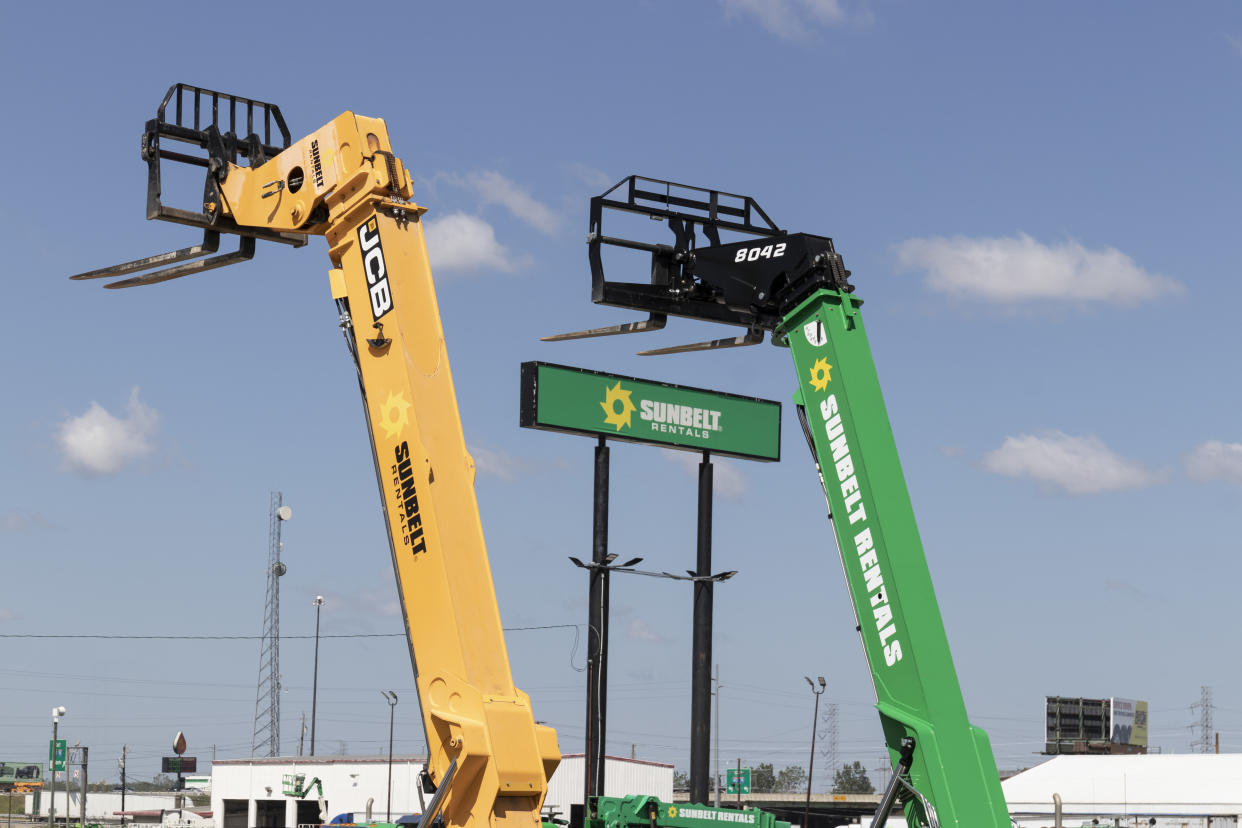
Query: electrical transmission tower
[[266, 739], [831, 735], [1204, 744]]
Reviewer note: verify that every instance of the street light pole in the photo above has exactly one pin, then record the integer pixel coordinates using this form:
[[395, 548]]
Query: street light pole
[[391, 697], [57, 712], [823, 685], [315, 683]]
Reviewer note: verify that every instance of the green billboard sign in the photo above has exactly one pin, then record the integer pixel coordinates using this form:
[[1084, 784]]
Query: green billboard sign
[[578, 401], [13, 773]]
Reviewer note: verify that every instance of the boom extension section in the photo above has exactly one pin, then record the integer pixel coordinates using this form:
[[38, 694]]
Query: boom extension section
[[488, 757], [795, 285]]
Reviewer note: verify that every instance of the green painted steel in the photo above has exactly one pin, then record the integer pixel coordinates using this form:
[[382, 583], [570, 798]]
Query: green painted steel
[[649, 812], [560, 398], [902, 632]]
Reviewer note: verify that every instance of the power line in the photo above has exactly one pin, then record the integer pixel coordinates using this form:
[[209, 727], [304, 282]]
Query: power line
[[124, 637]]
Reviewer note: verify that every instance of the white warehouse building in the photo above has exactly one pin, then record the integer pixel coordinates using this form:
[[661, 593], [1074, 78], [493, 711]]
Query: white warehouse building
[[249, 793], [1162, 790]]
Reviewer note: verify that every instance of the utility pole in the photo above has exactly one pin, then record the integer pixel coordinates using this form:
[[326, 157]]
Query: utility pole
[[57, 712], [124, 751], [315, 686], [85, 784]]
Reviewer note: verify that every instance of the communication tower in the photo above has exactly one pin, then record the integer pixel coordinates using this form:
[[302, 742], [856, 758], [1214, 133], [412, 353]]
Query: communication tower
[[266, 739]]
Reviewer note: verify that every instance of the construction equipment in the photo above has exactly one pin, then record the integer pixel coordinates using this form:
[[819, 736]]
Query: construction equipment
[[795, 286], [296, 786], [649, 811], [489, 762]]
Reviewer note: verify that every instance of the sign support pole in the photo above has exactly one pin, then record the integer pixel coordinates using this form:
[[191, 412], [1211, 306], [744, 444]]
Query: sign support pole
[[701, 651], [597, 636]]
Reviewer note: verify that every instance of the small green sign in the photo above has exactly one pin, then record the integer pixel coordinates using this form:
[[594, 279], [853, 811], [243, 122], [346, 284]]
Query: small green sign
[[737, 781], [56, 753], [578, 401]]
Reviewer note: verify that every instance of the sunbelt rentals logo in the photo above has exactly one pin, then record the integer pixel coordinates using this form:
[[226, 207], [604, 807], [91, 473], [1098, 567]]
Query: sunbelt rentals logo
[[658, 416]]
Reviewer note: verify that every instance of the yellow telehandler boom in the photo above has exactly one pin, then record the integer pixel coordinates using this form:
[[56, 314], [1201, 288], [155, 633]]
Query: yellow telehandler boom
[[489, 761]]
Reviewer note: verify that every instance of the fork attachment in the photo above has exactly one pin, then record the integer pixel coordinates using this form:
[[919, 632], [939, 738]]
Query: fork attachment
[[227, 128], [750, 278]]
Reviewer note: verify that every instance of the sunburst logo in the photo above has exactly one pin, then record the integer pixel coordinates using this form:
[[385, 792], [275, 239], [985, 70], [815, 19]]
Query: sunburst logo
[[618, 407], [672, 811], [394, 414], [821, 374]]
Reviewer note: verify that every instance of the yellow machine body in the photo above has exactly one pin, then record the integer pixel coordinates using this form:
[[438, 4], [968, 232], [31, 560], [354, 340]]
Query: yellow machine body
[[489, 758]]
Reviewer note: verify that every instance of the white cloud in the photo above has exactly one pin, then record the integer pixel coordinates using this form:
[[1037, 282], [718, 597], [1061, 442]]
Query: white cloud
[[1019, 269], [381, 602], [1215, 460], [596, 180], [494, 188], [98, 443], [640, 631], [727, 481], [462, 242], [1077, 465], [497, 463], [19, 520], [795, 19], [8, 615]]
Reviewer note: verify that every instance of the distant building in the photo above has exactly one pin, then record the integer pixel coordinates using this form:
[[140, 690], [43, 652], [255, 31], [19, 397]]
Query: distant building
[[1175, 790], [1076, 725], [250, 793]]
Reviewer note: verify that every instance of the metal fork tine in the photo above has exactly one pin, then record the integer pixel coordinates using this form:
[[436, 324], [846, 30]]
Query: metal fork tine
[[748, 338], [211, 243], [246, 251], [653, 323]]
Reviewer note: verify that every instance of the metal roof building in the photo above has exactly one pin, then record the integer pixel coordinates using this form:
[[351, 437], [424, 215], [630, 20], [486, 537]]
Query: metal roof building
[[1191, 790]]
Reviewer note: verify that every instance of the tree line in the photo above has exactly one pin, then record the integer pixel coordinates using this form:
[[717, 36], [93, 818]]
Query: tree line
[[850, 778]]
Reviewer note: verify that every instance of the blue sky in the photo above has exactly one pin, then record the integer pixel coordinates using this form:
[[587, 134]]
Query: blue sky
[[1038, 202]]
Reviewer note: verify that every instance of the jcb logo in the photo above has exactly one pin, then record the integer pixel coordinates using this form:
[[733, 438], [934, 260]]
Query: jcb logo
[[376, 269]]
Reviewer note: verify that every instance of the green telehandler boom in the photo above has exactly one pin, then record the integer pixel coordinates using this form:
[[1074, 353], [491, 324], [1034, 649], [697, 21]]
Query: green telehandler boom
[[795, 286]]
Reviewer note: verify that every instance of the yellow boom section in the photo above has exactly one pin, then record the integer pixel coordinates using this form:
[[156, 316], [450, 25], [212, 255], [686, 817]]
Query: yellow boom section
[[342, 181]]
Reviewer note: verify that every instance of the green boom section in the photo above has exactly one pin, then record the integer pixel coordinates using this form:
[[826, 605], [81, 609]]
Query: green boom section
[[903, 635]]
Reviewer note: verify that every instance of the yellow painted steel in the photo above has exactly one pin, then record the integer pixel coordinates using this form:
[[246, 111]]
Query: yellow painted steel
[[342, 181]]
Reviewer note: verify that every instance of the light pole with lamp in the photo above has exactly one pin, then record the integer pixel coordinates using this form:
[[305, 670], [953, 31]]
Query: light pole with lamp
[[391, 697], [315, 682], [818, 691], [57, 712], [597, 661]]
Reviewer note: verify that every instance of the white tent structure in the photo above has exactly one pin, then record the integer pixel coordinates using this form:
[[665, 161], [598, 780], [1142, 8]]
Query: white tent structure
[[1176, 790]]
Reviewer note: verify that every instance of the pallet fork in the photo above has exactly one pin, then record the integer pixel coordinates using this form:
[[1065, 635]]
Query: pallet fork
[[706, 282], [226, 127]]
